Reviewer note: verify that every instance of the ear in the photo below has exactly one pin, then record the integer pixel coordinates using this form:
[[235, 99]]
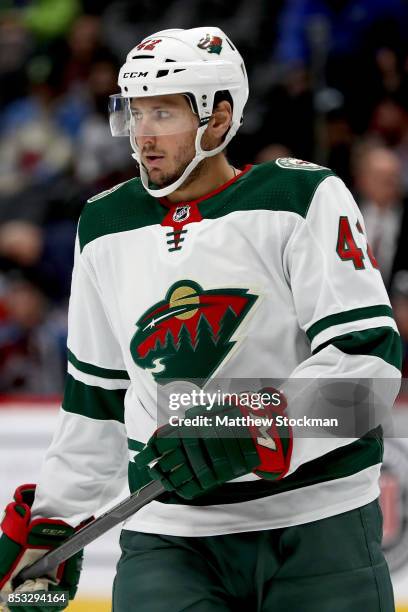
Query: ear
[[220, 121]]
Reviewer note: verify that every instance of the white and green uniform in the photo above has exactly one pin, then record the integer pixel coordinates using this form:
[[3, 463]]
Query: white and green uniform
[[268, 277]]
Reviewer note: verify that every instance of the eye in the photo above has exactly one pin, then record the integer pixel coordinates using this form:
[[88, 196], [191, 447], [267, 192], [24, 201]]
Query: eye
[[163, 114], [136, 115]]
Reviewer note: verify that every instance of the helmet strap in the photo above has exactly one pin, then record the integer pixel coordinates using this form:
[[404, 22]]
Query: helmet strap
[[200, 154]]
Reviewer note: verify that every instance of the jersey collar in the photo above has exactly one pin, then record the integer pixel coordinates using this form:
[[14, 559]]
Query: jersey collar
[[213, 193]]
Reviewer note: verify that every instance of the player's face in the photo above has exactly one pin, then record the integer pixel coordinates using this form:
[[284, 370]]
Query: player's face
[[164, 128]]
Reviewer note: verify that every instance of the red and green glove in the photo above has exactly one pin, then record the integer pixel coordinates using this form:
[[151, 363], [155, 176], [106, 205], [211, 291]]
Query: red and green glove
[[23, 541], [191, 460]]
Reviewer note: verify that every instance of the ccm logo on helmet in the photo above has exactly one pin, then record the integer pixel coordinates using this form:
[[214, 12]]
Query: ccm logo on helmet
[[132, 75]]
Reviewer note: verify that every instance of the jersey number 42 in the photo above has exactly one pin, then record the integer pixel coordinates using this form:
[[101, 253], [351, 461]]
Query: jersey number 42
[[347, 248]]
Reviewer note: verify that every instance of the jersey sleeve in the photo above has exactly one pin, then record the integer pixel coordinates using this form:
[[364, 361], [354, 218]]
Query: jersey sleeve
[[86, 465], [342, 306]]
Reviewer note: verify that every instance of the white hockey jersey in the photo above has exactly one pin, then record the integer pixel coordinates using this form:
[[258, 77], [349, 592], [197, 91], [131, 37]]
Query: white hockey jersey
[[269, 276]]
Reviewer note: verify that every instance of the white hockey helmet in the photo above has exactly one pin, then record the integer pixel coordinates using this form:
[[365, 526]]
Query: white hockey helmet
[[199, 63]]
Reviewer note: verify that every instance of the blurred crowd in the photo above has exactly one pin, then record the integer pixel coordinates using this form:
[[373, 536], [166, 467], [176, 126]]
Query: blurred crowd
[[328, 82]]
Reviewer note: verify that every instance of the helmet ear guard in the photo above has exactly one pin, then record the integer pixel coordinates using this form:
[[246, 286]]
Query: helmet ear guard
[[201, 64]]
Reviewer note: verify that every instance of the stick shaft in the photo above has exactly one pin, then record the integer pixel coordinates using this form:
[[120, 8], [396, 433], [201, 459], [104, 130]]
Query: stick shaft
[[92, 531]]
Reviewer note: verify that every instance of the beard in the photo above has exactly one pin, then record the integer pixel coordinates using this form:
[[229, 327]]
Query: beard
[[166, 179], [181, 161]]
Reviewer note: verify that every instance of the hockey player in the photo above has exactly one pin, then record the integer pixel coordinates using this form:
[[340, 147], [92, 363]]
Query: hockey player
[[200, 269]]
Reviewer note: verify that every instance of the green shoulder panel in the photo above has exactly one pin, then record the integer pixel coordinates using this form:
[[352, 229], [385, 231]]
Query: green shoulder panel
[[286, 184], [124, 207], [296, 182]]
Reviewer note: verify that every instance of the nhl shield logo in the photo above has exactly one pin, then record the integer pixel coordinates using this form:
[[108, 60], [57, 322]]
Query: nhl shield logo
[[181, 213]]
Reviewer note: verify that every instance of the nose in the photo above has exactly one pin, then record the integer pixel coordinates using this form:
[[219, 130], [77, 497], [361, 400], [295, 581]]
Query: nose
[[143, 141]]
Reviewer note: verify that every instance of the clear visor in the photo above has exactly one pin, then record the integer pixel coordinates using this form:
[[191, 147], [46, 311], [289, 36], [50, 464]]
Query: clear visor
[[154, 116]]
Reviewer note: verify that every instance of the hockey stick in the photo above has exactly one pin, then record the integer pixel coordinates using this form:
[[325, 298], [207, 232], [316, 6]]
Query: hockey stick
[[92, 531]]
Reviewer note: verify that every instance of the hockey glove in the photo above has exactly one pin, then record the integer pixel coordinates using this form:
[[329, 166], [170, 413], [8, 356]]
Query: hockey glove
[[191, 460], [23, 541]]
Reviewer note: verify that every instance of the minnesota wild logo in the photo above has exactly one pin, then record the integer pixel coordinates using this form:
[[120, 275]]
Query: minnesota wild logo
[[188, 334], [213, 44], [297, 164]]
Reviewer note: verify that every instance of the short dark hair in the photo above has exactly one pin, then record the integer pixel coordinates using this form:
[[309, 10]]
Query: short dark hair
[[220, 96]]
